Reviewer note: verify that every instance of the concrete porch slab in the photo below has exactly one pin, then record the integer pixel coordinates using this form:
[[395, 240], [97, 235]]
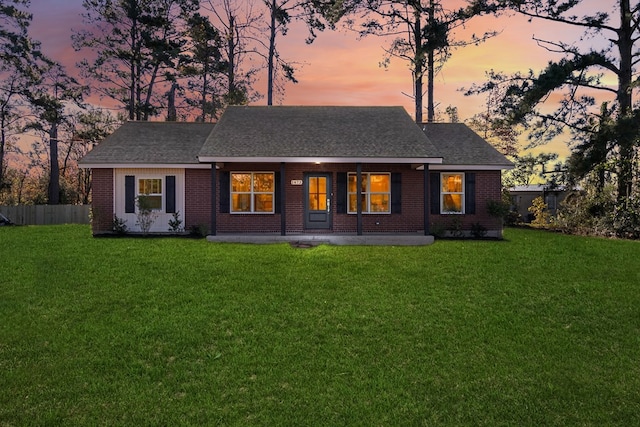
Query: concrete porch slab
[[331, 239]]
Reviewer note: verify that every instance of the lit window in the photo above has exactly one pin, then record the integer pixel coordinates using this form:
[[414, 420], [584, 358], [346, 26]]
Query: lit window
[[375, 194], [150, 193], [452, 193], [252, 192]]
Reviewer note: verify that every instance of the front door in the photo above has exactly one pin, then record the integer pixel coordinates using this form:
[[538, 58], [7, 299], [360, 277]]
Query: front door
[[317, 205]]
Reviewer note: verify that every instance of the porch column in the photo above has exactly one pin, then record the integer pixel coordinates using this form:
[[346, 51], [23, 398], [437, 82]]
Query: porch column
[[283, 210], [426, 198], [214, 200], [359, 197]]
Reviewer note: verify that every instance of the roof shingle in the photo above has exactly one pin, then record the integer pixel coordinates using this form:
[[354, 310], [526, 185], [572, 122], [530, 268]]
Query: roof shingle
[[307, 132], [151, 143], [462, 146]]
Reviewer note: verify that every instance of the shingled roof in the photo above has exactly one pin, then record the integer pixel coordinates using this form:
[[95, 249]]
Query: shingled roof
[[321, 134], [149, 143], [463, 147], [297, 134]]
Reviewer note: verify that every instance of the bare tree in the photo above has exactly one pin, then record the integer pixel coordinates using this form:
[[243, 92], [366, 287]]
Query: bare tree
[[237, 23], [136, 45], [422, 36]]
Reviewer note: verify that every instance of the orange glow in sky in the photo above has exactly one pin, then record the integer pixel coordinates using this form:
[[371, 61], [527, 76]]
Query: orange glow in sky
[[339, 69]]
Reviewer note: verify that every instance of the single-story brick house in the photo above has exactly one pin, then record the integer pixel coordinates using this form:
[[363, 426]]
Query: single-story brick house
[[296, 170]]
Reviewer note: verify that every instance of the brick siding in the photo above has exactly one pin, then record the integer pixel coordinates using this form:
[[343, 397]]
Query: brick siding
[[198, 202], [411, 218], [102, 208]]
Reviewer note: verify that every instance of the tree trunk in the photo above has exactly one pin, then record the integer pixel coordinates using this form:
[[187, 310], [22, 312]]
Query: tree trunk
[[272, 48], [134, 58], [54, 168], [624, 98], [231, 41], [418, 64], [430, 68], [172, 114], [3, 139]]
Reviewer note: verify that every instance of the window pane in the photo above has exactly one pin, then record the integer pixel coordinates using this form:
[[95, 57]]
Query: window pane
[[241, 202], [380, 183], [263, 182], [241, 182], [313, 184], [263, 203], [156, 186], [154, 202], [379, 203], [150, 186], [352, 183], [322, 185], [452, 183], [352, 203], [317, 202], [452, 203]]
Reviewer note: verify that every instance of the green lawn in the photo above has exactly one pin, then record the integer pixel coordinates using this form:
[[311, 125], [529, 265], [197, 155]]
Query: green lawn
[[539, 329]]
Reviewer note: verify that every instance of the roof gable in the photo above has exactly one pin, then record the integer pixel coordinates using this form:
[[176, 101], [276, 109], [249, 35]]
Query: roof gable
[[335, 134]]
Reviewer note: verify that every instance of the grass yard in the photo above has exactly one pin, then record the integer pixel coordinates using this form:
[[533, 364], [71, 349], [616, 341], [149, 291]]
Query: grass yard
[[539, 329]]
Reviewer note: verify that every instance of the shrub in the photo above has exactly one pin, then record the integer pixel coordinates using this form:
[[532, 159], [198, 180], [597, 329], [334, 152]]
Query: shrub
[[542, 218], [587, 213], [455, 227], [119, 225], [626, 219], [175, 223], [437, 230], [146, 216], [478, 231], [199, 230], [502, 209]]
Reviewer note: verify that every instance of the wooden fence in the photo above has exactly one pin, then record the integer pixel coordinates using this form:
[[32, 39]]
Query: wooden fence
[[46, 214]]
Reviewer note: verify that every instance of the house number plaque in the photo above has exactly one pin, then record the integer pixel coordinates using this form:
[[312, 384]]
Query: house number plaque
[[296, 182]]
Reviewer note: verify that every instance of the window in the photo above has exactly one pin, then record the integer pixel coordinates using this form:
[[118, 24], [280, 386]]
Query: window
[[452, 193], [375, 194], [252, 192], [151, 190]]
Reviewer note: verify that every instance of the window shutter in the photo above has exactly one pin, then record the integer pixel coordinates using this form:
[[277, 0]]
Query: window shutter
[[130, 194], [341, 193], [396, 193], [470, 193], [278, 189], [434, 184], [225, 191], [170, 183]]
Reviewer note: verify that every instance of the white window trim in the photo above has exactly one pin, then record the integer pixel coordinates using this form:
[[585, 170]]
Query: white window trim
[[251, 193], [365, 175], [443, 193]]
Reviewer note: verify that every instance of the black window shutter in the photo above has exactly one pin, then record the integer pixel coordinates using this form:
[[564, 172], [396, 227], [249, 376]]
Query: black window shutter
[[470, 193], [434, 190], [278, 189], [170, 183], [129, 194], [341, 192], [225, 191], [396, 193]]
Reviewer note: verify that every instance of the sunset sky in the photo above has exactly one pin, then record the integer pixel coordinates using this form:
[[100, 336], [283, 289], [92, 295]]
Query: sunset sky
[[339, 69]]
